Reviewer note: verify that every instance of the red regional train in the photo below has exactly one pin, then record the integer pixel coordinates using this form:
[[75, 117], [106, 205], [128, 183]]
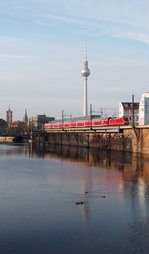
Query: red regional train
[[94, 122]]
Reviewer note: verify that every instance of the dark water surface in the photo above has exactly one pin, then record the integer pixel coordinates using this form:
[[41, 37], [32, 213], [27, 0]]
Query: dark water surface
[[40, 191]]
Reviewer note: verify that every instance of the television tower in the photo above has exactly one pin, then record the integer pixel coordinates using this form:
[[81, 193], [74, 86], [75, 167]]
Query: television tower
[[85, 73]]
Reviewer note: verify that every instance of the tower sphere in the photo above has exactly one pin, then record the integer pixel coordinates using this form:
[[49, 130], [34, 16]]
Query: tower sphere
[[85, 71]]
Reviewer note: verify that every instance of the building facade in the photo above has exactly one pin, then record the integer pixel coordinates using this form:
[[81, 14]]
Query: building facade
[[17, 128], [36, 122], [3, 128], [130, 110], [144, 109]]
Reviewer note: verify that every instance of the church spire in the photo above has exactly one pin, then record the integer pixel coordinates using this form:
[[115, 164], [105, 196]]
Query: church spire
[[25, 118]]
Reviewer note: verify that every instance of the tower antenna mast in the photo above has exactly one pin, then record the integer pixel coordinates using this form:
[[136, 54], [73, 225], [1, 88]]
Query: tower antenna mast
[[86, 45]]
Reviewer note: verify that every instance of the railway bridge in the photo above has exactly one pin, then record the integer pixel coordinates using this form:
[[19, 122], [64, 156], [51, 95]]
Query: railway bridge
[[123, 138]]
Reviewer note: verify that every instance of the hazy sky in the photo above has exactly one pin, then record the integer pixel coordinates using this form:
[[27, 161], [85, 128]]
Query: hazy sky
[[42, 53]]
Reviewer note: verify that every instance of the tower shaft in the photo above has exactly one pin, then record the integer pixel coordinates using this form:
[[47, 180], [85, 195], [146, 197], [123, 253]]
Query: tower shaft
[[85, 103]]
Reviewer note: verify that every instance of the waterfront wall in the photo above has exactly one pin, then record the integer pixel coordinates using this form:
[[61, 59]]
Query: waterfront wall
[[6, 139], [126, 139]]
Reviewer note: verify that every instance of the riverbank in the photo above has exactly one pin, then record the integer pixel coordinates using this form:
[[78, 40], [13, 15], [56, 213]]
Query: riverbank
[[6, 139], [14, 139]]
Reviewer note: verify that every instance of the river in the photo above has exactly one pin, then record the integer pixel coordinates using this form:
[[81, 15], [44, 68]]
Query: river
[[63, 199]]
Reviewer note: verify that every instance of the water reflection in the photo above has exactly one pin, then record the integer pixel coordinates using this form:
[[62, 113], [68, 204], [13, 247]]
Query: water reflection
[[132, 165], [130, 184], [14, 150], [39, 189]]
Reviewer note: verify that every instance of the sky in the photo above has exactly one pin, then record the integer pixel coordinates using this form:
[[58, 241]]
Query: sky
[[42, 53]]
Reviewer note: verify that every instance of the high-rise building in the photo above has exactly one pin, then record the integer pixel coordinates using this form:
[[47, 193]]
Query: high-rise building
[[85, 73], [25, 118], [9, 116], [144, 109]]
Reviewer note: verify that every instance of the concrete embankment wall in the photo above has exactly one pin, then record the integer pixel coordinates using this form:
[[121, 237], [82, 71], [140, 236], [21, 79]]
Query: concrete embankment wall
[[6, 139]]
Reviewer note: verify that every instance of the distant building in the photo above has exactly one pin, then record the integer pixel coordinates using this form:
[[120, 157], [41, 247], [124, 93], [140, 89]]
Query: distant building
[[3, 128], [126, 109], [17, 128], [144, 109], [36, 122], [25, 118], [9, 116]]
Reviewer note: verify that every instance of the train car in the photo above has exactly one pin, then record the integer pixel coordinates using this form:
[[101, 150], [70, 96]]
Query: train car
[[125, 120], [55, 125], [114, 121], [96, 122], [88, 123], [80, 123], [119, 121], [73, 124], [105, 121], [46, 126], [60, 125], [66, 124]]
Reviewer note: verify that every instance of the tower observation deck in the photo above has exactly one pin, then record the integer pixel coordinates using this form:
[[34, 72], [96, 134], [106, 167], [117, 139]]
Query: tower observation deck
[[85, 73]]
